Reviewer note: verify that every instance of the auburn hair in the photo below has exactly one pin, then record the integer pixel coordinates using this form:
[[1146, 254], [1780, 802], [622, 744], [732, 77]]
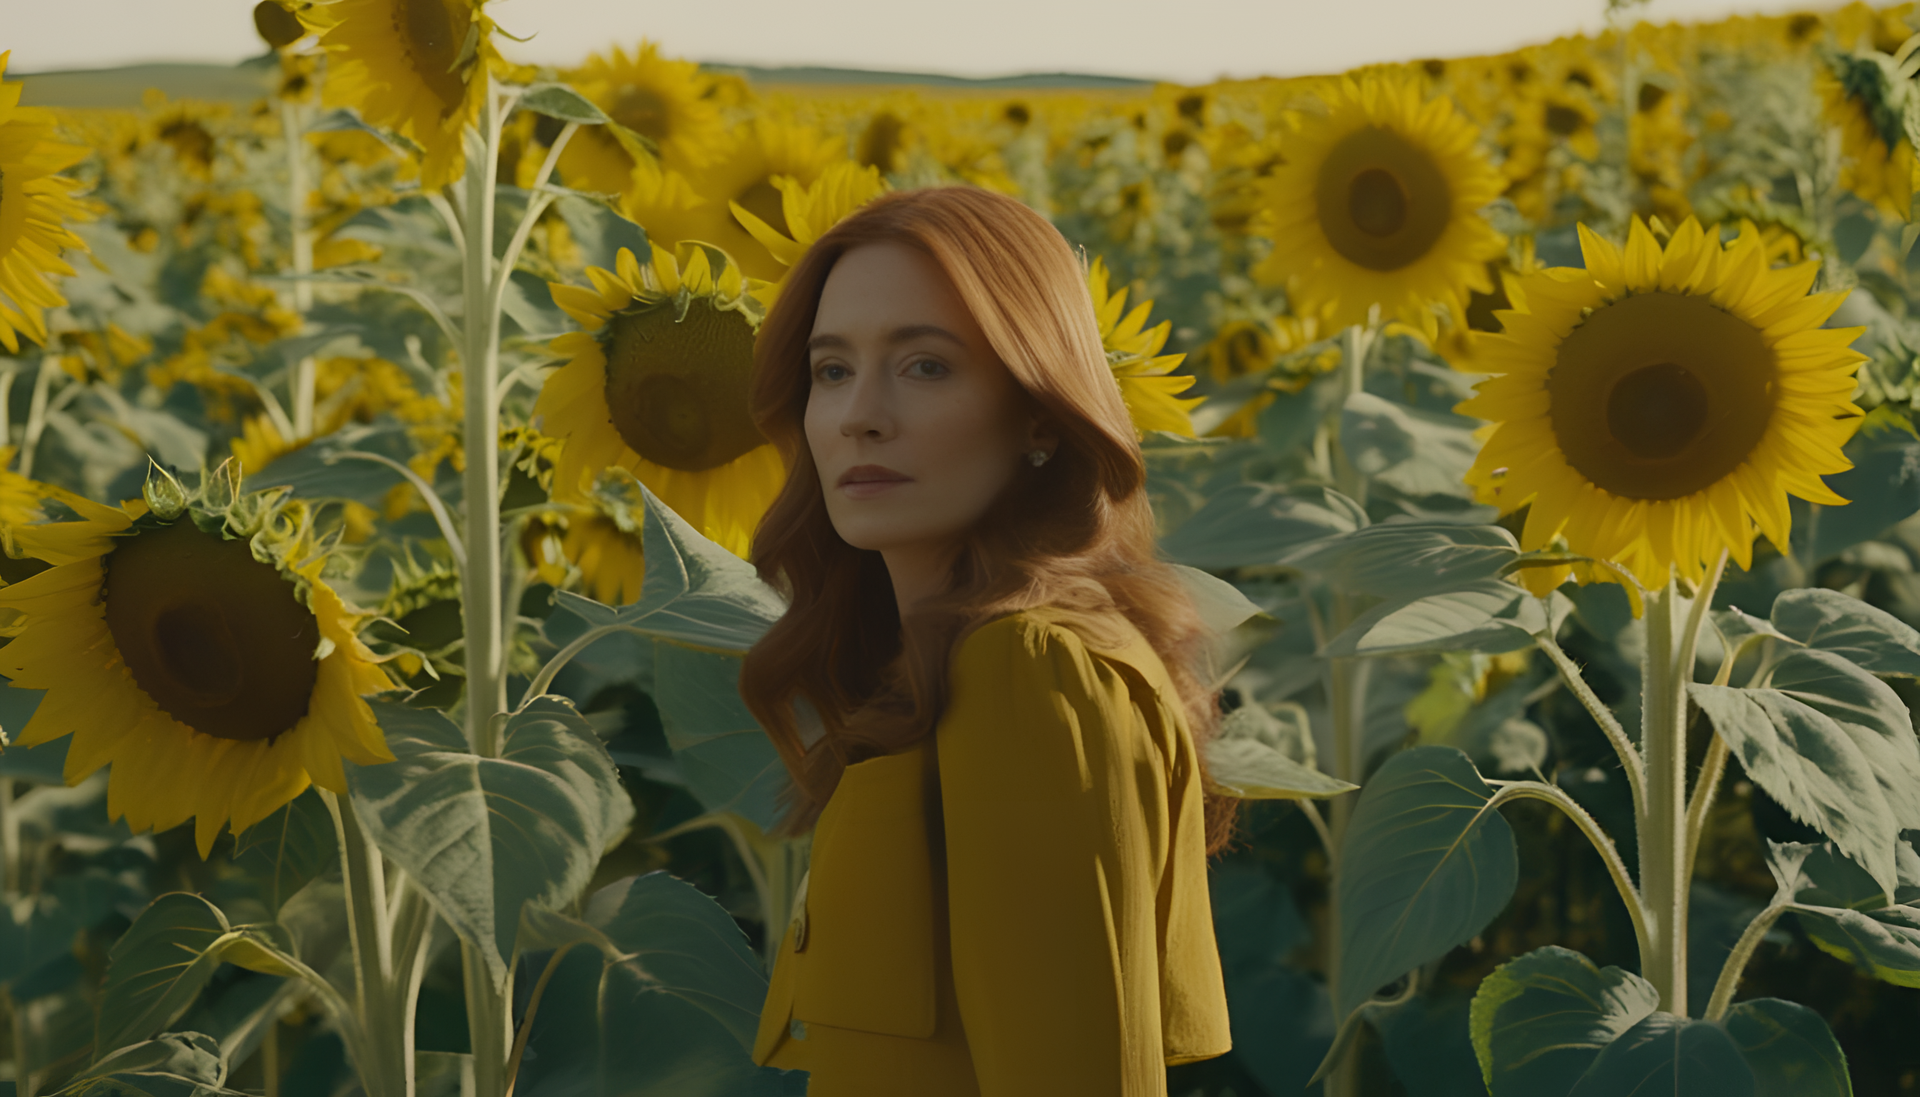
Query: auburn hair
[[1078, 535]]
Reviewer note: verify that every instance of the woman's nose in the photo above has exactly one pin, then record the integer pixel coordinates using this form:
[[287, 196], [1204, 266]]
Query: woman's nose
[[869, 408]]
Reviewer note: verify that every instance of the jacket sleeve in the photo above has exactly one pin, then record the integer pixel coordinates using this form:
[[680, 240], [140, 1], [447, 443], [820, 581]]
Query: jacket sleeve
[[1041, 879]]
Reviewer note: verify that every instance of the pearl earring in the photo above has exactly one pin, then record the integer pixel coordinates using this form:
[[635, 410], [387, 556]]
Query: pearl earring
[[1038, 457]]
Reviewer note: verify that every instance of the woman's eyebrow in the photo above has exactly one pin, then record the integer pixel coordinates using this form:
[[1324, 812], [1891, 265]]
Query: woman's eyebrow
[[898, 335]]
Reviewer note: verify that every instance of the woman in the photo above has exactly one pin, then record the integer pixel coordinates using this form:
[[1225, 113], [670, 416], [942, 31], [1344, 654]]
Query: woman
[[1007, 893]]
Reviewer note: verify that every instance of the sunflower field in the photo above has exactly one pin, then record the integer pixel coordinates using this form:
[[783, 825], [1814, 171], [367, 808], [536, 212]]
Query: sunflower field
[[1539, 433]]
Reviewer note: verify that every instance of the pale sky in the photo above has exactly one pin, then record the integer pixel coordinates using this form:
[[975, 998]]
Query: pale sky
[[1187, 41]]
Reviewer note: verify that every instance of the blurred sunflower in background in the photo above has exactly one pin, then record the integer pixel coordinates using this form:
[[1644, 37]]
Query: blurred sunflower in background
[[1147, 383], [214, 670], [1657, 406], [35, 204], [1377, 203], [1859, 96], [807, 211], [1268, 345], [698, 205], [598, 538], [657, 385], [416, 67], [666, 101]]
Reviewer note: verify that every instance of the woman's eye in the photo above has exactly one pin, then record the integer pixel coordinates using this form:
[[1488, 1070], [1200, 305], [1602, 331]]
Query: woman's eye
[[825, 373], [938, 369]]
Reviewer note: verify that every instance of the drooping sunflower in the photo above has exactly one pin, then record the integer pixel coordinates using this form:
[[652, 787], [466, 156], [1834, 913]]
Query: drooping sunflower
[[663, 100], [415, 67], [1144, 375], [678, 206], [1658, 406], [214, 669], [36, 202], [657, 385], [1377, 202], [807, 212]]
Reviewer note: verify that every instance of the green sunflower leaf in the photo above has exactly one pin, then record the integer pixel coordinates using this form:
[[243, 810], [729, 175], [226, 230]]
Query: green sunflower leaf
[[288, 848], [1540, 1020], [727, 760], [1407, 560], [175, 1062], [1245, 767], [1490, 615], [1410, 450], [675, 992], [1813, 766], [1668, 1056], [1255, 524], [1870, 712], [562, 102], [1868, 636], [488, 836], [1424, 867], [1790, 1048]]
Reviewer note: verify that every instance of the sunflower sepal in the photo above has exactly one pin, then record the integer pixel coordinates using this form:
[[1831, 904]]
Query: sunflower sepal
[[165, 496]]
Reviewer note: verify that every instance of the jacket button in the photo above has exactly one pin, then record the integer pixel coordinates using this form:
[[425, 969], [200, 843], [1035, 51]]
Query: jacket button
[[797, 1029]]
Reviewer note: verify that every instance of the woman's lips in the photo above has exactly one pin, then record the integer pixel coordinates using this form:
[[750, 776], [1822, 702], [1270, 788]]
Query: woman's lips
[[861, 481]]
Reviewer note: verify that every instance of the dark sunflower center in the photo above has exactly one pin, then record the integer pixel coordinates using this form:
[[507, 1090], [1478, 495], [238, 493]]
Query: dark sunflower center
[[1656, 410], [880, 142], [1378, 204], [427, 31], [762, 199], [190, 140], [1382, 200], [278, 26], [216, 638], [677, 390], [1660, 395], [1563, 120], [643, 111]]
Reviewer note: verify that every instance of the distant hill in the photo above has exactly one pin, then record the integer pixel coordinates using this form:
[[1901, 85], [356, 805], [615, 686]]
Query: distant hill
[[249, 80]]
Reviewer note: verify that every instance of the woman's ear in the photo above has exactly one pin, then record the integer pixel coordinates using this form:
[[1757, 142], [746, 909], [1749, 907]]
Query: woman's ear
[[1040, 434]]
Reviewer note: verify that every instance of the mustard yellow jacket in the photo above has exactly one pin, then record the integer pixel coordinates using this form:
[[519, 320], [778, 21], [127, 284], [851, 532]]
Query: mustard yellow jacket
[[1017, 904]]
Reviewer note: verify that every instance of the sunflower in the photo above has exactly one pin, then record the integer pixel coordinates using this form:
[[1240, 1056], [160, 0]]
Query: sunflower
[[35, 203], [678, 206], [1249, 346], [663, 100], [1657, 406], [599, 540], [807, 212], [216, 671], [1377, 203], [1876, 159], [416, 67], [1144, 375], [657, 385]]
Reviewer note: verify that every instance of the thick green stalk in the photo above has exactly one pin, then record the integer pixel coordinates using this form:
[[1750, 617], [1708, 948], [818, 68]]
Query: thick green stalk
[[480, 598], [291, 124], [382, 1051], [489, 1024], [1663, 829]]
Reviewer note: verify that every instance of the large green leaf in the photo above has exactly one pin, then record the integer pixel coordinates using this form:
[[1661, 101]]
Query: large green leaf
[[1863, 634], [486, 836], [1490, 615], [1252, 524], [1540, 1020], [1243, 766], [694, 593], [728, 762], [1424, 867], [176, 1064], [1669, 1056], [1884, 943], [1408, 560], [1870, 712], [1812, 766], [1413, 451], [288, 848], [672, 1011], [1790, 1048], [160, 965]]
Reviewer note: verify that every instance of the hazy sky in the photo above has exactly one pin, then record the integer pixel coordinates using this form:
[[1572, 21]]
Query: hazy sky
[[1190, 41]]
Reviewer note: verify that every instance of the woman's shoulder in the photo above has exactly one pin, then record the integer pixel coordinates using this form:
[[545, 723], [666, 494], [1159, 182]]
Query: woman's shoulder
[[1048, 639]]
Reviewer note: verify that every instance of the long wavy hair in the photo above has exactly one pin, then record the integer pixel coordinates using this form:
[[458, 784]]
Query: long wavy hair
[[1078, 535]]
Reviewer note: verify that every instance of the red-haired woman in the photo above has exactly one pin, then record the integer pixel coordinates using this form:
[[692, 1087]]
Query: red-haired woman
[[1008, 886]]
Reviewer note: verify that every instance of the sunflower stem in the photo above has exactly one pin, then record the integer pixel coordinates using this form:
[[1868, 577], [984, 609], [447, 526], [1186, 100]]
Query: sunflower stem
[[1663, 823], [293, 128], [383, 1051], [488, 1003], [37, 412]]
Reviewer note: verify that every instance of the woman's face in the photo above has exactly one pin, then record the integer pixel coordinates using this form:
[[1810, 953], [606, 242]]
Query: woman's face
[[915, 424]]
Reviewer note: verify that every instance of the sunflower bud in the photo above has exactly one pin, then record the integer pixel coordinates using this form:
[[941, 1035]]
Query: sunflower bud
[[166, 497]]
